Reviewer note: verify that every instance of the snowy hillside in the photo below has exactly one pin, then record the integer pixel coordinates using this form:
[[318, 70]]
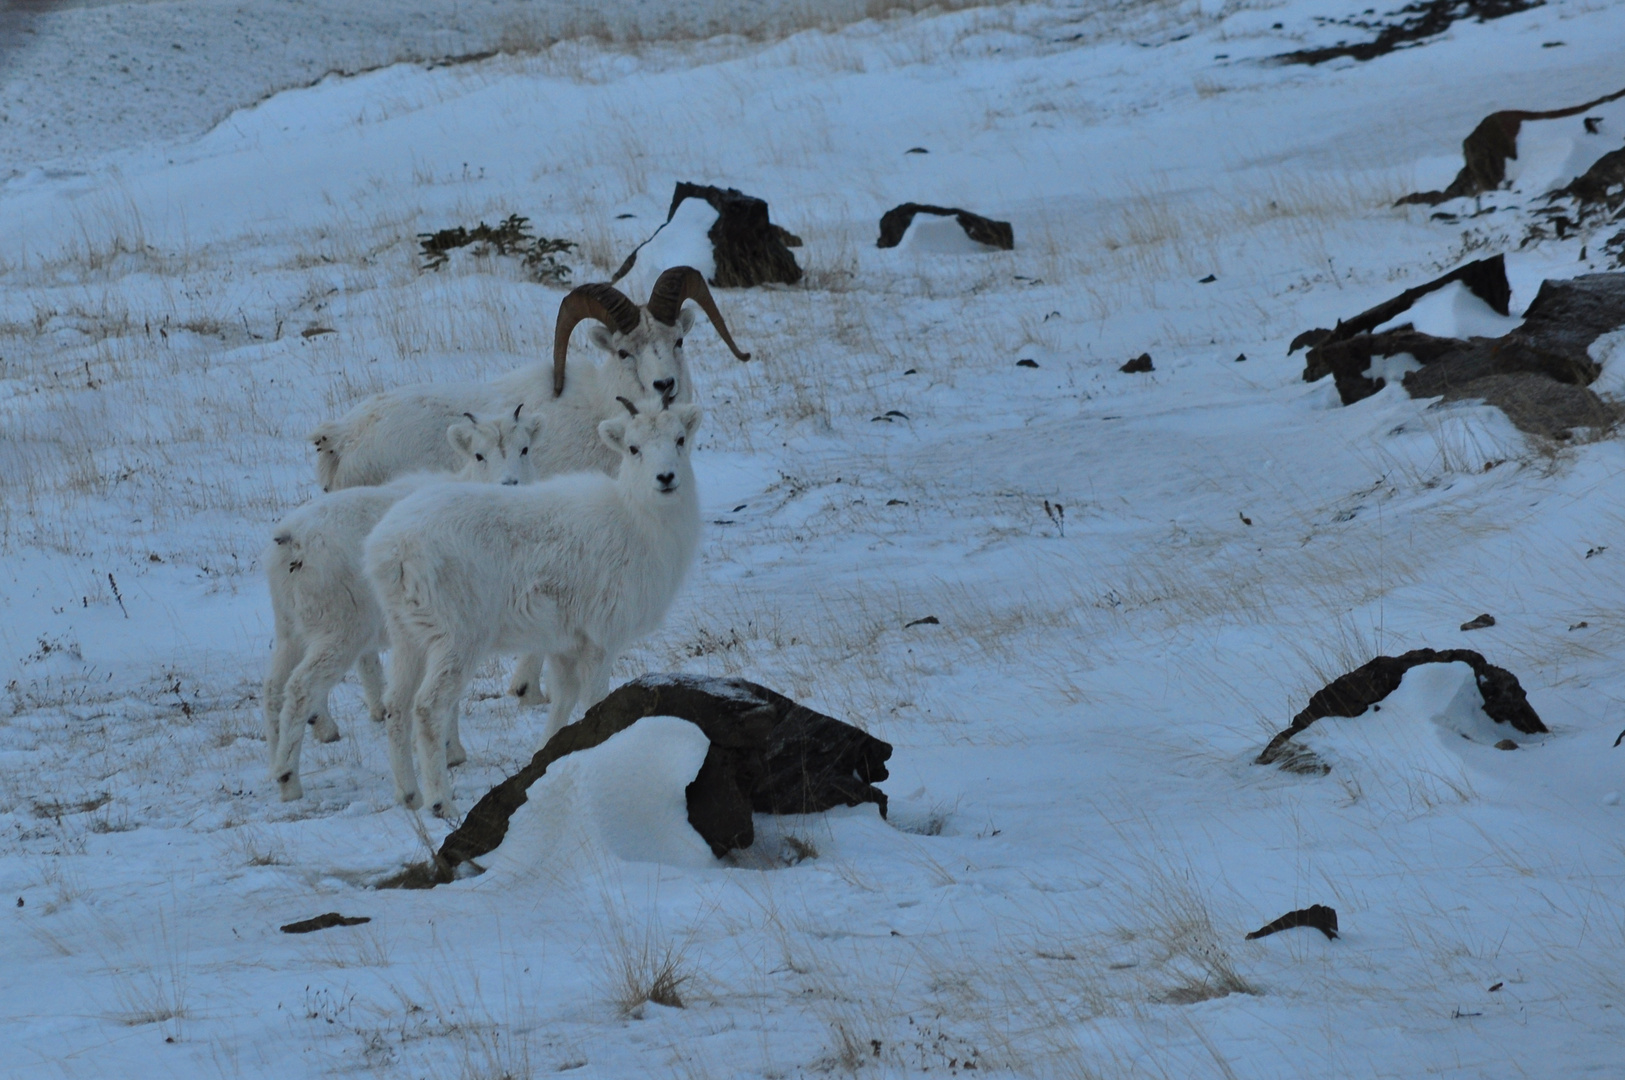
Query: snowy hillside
[[1078, 840]]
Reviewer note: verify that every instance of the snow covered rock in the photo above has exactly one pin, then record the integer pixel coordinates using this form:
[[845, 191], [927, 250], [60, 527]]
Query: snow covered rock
[[722, 231], [1557, 146], [922, 227], [766, 754], [1499, 701], [1537, 372]]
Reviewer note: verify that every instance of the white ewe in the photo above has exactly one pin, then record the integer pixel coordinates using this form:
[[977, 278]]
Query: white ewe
[[576, 567], [326, 618], [403, 430]]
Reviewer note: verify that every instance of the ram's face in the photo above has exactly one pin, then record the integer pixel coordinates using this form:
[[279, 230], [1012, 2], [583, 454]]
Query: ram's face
[[650, 357]]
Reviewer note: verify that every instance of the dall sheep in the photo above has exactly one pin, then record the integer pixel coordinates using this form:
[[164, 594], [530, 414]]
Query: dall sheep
[[403, 430], [326, 618], [576, 567]]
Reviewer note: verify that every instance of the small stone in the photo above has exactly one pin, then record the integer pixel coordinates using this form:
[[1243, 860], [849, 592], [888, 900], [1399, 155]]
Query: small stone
[[1479, 623], [1024, 362], [1506, 744], [1138, 365]]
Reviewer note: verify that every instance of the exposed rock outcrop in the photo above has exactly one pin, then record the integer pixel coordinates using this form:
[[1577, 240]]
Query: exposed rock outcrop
[[1365, 686], [895, 222], [768, 755]]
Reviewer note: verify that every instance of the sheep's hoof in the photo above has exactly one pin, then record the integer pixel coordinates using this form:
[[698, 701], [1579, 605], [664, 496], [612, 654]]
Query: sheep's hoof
[[446, 809], [290, 787], [411, 800], [322, 726], [530, 694], [455, 755]]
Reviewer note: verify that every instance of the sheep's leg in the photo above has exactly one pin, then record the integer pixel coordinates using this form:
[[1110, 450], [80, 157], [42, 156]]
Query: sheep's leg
[[526, 684], [284, 659], [564, 680], [455, 754], [305, 703], [405, 675], [446, 676], [594, 667], [372, 683]]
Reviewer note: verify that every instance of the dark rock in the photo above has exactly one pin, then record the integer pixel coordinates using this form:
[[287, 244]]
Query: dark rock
[[1138, 365], [895, 222], [747, 247], [1479, 623], [1026, 363], [1413, 24], [768, 755], [1506, 744], [1484, 278], [1486, 150], [322, 922], [1309, 337], [1353, 693], [1319, 916]]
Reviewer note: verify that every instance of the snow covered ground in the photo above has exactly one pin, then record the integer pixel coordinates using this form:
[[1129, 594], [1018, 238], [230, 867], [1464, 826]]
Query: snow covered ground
[[1078, 841]]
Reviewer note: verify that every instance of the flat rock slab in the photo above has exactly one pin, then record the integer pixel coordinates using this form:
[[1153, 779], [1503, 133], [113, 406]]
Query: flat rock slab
[[895, 222], [324, 922], [1538, 374], [1352, 694], [768, 755]]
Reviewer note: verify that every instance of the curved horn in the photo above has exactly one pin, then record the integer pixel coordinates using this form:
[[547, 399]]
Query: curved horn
[[686, 283], [605, 303], [631, 408], [516, 409]]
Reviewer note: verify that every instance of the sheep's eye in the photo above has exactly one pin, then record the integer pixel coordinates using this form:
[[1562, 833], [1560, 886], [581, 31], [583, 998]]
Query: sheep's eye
[[634, 449], [625, 355], [679, 440], [679, 344], [479, 457], [525, 451]]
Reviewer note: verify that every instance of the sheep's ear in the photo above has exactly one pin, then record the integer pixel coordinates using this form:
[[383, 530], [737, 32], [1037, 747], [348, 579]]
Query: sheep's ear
[[461, 436], [685, 321], [534, 426], [601, 337], [613, 432], [689, 416]]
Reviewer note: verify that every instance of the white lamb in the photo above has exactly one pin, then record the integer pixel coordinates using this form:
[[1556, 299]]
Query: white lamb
[[576, 567], [326, 618], [403, 430]]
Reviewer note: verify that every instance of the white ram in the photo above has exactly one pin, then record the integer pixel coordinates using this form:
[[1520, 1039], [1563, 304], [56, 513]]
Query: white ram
[[403, 430], [326, 618], [576, 567]]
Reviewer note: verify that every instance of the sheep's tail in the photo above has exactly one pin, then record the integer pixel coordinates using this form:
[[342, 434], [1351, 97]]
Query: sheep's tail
[[327, 439], [284, 555]]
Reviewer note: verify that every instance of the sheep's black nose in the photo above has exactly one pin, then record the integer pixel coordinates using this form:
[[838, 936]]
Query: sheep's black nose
[[664, 386], [510, 481], [666, 478]]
